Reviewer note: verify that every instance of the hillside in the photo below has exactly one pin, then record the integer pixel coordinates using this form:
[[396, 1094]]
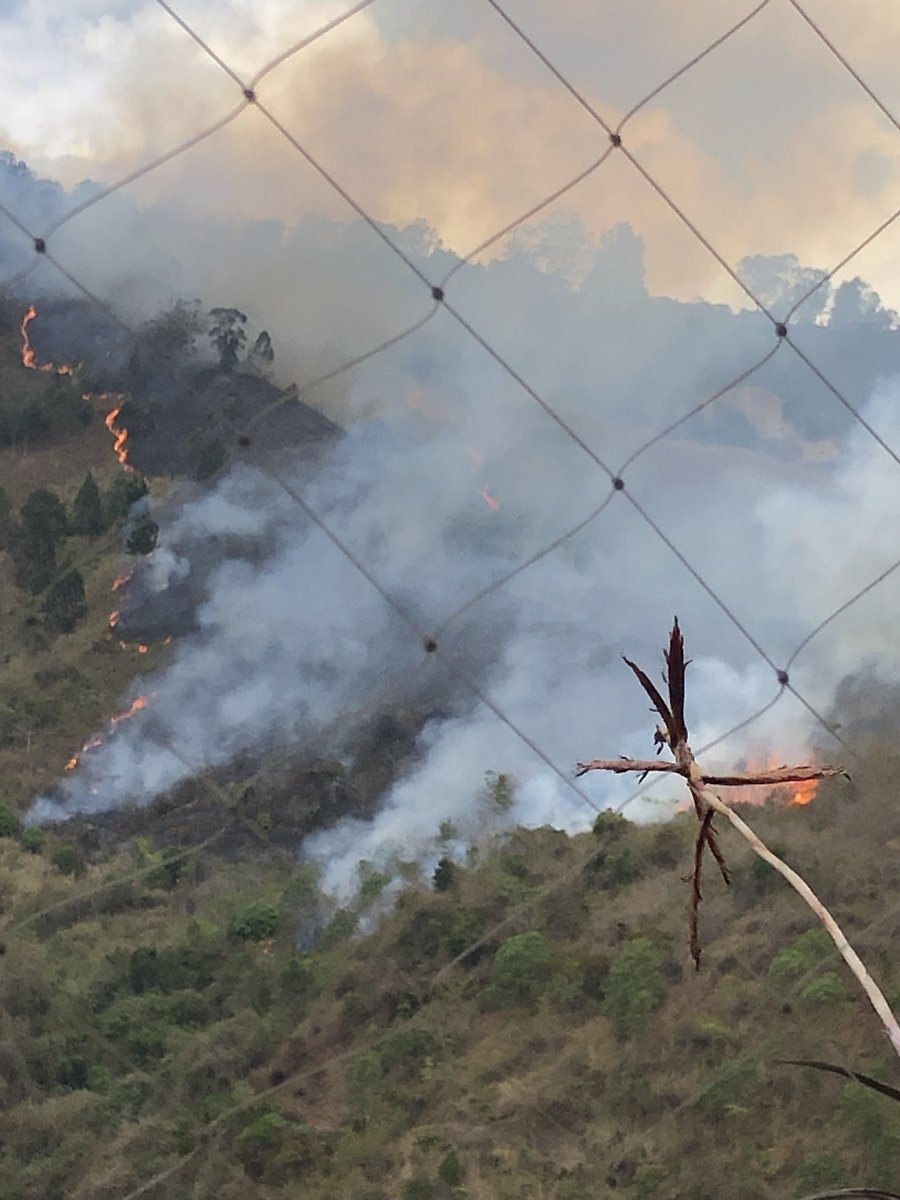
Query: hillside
[[184, 1013], [522, 1024]]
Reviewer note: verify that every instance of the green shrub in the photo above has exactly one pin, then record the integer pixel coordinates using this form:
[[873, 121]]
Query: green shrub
[[521, 968], [450, 1170], [827, 990], [33, 839], [807, 951], [404, 1052], [444, 876], [9, 821], [257, 921], [609, 826], [635, 986], [67, 860], [339, 928], [259, 1141]]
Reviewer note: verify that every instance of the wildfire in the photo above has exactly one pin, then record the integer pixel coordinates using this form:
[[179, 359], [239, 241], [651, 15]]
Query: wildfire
[[477, 466], [121, 580], [114, 618], [138, 703], [29, 356], [120, 434], [789, 795]]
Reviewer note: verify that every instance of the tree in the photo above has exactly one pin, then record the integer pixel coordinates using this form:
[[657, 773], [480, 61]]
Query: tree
[[9, 822], [635, 985], [227, 335], [67, 860], [44, 511], [124, 490], [142, 539], [87, 509], [32, 545], [65, 604], [171, 334], [521, 967], [257, 921], [444, 876], [262, 353]]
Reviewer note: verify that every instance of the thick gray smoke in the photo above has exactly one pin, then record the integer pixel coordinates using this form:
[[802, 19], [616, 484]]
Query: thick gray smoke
[[450, 475]]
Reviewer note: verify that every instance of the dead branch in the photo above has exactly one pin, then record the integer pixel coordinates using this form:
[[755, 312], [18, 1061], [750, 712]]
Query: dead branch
[[774, 775], [707, 803]]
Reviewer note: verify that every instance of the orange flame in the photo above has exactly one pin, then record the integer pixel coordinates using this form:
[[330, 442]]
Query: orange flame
[[119, 434], [136, 705], [789, 795], [114, 618], [477, 466], [29, 355], [121, 580]]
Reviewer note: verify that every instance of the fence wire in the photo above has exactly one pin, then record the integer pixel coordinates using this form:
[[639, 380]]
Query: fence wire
[[437, 295]]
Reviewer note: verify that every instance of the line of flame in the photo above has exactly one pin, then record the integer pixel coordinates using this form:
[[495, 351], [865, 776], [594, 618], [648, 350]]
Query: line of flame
[[119, 434], [137, 704], [29, 355]]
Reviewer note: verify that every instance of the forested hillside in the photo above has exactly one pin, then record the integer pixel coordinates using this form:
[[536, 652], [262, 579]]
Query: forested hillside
[[185, 1013], [523, 1023]]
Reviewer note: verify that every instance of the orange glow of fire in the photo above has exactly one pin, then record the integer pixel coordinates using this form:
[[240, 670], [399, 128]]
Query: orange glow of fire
[[120, 435], [138, 703], [29, 356], [121, 580], [477, 466], [790, 795], [114, 618]]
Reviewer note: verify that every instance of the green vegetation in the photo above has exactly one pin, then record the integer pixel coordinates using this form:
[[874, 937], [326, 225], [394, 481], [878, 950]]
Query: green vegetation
[[179, 1000], [357, 1067]]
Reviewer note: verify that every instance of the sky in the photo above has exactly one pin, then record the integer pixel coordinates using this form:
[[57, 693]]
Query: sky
[[441, 125], [439, 112]]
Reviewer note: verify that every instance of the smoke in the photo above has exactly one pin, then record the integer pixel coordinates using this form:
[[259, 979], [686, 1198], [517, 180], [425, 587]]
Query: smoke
[[448, 476]]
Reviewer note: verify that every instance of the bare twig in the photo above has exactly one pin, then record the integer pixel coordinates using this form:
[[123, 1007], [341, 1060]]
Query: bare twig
[[773, 775], [707, 803]]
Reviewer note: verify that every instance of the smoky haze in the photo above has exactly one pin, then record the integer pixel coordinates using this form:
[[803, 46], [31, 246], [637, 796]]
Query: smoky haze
[[448, 476]]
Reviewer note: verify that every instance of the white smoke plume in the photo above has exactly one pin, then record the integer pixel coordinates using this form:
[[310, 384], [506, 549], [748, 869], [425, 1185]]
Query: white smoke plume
[[450, 475]]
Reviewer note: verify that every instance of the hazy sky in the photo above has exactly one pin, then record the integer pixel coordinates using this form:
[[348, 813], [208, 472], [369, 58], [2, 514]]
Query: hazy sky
[[438, 111]]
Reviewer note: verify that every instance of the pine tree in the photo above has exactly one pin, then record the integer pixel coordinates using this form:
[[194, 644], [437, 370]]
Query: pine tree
[[65, 603], [32, 545], [87, 509], [122, 493]]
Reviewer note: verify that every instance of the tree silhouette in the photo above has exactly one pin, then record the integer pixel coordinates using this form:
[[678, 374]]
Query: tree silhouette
[[87, 509], [227, 335], [65, 604]]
